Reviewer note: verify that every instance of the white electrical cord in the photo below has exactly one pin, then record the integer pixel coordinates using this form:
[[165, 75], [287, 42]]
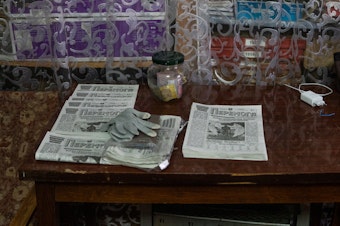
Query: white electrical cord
[[310, 97]]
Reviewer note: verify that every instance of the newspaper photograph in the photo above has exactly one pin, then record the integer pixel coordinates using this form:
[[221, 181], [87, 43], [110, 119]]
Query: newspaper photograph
[[225, 132], [142, 151]]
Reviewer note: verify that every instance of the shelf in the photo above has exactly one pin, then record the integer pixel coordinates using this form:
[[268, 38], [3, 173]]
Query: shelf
[[72, 64]]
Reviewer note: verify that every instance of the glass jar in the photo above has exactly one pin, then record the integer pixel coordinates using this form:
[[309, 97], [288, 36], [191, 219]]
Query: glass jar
[[166, 76]]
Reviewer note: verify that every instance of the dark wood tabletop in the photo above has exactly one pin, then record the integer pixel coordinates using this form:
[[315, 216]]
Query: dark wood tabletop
[[303, 145]]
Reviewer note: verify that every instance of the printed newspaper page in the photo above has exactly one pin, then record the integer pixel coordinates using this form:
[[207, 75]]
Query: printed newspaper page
[[93, 105], [225, 132], [76, 135], [66, 148], [106, 91], [83, 114], [142, 151]]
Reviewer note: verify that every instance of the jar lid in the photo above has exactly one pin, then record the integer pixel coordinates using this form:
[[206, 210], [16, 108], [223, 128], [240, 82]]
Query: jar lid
[[168, 58]]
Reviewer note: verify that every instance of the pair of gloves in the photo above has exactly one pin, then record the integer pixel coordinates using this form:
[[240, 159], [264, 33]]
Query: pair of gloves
[[128, 124]]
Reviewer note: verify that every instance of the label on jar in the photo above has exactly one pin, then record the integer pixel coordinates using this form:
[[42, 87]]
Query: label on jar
[[169, 84], [168, 92]]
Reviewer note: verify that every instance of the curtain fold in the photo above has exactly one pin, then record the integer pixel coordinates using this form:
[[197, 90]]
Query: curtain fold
[[49, 44]]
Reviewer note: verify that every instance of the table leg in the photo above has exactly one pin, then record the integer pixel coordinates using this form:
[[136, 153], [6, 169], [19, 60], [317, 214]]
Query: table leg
[[47, 208]]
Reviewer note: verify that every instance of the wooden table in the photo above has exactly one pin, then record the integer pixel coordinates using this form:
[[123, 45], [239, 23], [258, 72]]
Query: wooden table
[[303, 167]]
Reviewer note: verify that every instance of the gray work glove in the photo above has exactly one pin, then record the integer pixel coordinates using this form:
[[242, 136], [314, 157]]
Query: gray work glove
[[128, 124]]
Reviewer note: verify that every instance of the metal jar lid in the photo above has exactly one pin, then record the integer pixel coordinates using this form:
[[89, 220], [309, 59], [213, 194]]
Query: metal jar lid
[[168, 58]]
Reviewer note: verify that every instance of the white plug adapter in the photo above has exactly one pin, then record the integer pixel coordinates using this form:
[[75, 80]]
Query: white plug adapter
[[311, 98]]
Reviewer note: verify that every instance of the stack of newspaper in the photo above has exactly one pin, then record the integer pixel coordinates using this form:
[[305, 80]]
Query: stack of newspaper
[[76, 135], [225, 132]]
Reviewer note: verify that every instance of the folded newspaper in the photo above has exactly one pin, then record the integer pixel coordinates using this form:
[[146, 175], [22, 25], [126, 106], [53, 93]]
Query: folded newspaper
[[141, 152], [225, 132], [76, 134]]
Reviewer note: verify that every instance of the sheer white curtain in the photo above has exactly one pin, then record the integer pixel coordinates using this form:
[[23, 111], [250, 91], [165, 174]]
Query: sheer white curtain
[[47, 44], [263, 42]]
